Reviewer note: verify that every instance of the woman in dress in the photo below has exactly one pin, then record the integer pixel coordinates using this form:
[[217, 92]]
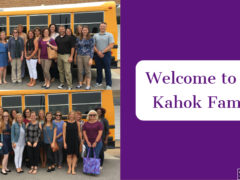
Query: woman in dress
[[49, 135], [31, 52], [33, 133], [18, 141], [7, 146], [85, 52], [92, 133], [3, 57], [59, 139], [71, 141]]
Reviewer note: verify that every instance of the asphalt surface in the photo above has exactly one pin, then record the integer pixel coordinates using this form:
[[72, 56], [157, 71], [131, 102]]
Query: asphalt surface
[[23, 85]]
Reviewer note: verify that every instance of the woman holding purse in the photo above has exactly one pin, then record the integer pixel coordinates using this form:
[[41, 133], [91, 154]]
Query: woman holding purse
[[49, 136], [43, 58], [92, 133], [18, 141]]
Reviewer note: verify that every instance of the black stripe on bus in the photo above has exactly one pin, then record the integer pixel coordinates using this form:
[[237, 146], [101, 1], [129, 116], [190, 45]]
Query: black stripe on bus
[[112, 127]]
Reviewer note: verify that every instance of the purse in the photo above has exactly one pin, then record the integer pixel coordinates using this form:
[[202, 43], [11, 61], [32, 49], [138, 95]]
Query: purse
[[52, 54], [55, 147], [1, 148], [91, 165]]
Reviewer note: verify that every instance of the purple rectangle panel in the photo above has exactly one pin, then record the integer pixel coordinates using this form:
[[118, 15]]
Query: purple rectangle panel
[[177, 30]]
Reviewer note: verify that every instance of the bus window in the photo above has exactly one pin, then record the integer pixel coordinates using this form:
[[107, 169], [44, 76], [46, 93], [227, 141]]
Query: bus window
[[15, 20], [58, 102], [40, 21], [12, 102], [3, 24], [86, 101], [61, 19], [35, 102], [91, 19]]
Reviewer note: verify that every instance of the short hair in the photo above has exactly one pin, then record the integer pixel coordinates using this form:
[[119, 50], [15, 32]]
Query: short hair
[[92, 111], [103, 23], [62, 26]]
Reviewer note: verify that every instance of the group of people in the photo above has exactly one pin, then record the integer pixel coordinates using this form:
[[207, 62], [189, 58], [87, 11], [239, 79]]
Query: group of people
[[34, 136], [33, 48]]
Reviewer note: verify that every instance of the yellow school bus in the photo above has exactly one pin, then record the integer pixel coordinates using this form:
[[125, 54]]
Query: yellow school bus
[[69, 15], [62, 100]]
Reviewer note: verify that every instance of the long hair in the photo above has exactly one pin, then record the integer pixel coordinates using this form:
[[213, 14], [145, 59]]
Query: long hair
[[44, 31], [32, 31], [88, 34], [76, 30], [24, 112], [45, 123], [50, 29], [3, 125], [103, 111], [5, 39]]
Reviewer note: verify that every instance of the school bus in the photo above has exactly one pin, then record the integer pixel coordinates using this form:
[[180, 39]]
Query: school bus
[[69, 15], [62, 100]]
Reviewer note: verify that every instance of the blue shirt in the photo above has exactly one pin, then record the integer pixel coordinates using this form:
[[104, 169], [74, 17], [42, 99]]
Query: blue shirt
[[85, 47], [59, 126], [48, 133]]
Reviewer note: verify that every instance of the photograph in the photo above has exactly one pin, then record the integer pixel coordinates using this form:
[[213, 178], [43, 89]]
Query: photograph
[[60, 89]]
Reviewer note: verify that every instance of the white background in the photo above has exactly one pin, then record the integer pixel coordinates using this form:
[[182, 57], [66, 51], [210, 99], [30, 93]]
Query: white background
[[145, 91]]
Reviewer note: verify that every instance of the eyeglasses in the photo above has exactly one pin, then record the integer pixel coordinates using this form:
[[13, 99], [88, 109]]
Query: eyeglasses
[[59, 115], [5, 116], [92, 115], [15, 32]]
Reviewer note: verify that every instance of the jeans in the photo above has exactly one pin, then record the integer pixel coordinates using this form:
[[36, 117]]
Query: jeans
[[59, 154], [50, 154], [32, 68], [18, 155], [101, 156], [105, 63], [33, 155], [97, 149]]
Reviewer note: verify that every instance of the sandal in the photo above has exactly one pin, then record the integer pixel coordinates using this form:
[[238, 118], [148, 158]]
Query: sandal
[[30, 171], [69, 171], [34, 171]]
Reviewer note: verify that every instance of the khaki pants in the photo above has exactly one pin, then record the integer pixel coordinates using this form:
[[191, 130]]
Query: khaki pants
[[83, 64], [64, 68], [16, 70], [46, 64]]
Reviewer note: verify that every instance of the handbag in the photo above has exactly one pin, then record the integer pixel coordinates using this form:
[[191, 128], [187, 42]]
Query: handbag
[[91, 165], [1, 148], [55, 147], [52, 54]]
